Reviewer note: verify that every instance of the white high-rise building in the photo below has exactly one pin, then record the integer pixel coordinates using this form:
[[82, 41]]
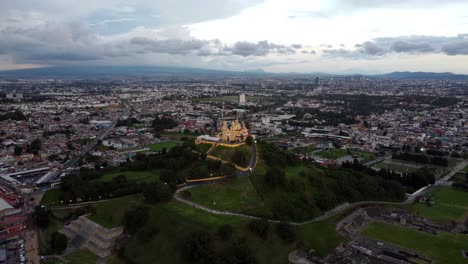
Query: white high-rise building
[[242, 99]]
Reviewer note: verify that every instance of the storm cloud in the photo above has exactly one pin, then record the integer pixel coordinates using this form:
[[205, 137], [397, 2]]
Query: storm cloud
[[379, 47]]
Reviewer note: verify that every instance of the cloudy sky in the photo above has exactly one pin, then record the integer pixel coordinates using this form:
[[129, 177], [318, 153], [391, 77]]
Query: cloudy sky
[[336, 36]]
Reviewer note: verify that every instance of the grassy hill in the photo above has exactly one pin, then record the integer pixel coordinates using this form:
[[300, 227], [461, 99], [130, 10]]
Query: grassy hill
[[238, 155], [174, 221]]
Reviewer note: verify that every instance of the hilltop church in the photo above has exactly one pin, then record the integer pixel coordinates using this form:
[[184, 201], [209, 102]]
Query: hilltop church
[[233, 133]]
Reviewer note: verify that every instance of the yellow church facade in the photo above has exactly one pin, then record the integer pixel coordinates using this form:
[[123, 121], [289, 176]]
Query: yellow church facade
[[236, 132]]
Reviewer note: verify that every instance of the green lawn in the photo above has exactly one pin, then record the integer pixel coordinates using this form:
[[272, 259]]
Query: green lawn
[[460, 177], [395, 167], [321, 236], [235, 195], [110, 213], [51, 197], [138, 176], [159, 146], [449, 205], [443, 248], [81, 256], [338, 153], [203, 147], [226, 153], [174, 221]]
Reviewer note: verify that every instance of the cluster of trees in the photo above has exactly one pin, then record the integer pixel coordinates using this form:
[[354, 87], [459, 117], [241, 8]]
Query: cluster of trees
[[129, 122], [420, 158], [175, 162], [261, 227], [16, 115], [161, 123], [67, 132], [199, 248], [437, 152], [295, 200], [136, 223], [276, 157], [81, 186], [174, 170], [410, 181], [34, 147]]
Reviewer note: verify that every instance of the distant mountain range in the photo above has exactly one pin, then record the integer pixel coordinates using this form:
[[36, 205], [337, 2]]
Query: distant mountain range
[[140, 71], [423, 75]]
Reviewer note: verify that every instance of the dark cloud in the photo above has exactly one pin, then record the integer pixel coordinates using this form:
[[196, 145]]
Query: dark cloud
[[379, 47], [457, 48], [171, 46], [408, 47], [370, 48], [296, 46], [56, 43], [261, 48]]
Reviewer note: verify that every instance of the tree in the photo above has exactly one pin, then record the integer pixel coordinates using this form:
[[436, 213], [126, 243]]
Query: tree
[[239, 158], [197, 247], [167, 176], [135, 218], [146, 233], [249, 140], [274, 177], [259, 227], [17, 150], [58, 242], [157, 192], [35, 146], [41, 217], [286, 232], [326, 199], [225, 232], [162, 123]]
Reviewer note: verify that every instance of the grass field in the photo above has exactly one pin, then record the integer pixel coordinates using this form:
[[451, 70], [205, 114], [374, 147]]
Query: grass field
[[51, 197], [226, 153], [449, 205], [460, 177], [338, 153], [137, 176], [167, 144], [395, 167], [174, 221], [203, 147], [443, 247], [110, 214], [235, 195], [81, 256]]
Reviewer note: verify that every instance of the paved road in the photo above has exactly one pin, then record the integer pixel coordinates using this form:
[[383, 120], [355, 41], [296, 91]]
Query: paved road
[[454, 171], [93, 144], [326, 215]]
